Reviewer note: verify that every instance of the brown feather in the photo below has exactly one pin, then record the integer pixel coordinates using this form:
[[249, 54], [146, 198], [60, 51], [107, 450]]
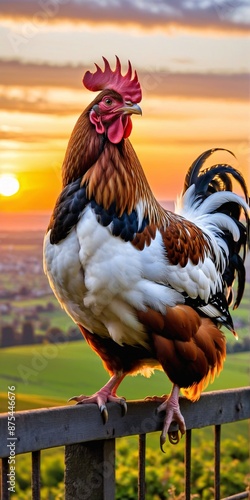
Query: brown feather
[[181, 322], [187, 350], [82, 152], [145, 237], [183, 240], [152, 320], [191, 349], [117, 176], [115, 358], [197, 369], [168, 356], [204, 340]]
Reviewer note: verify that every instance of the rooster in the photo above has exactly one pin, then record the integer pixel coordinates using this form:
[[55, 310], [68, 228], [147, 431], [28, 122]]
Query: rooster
[[148, 288]]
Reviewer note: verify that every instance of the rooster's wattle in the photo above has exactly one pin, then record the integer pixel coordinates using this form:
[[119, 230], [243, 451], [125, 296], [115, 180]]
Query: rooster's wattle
[[147, 287]]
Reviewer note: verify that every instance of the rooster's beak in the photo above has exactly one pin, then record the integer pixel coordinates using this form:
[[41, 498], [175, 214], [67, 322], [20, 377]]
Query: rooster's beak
[[130, 108]]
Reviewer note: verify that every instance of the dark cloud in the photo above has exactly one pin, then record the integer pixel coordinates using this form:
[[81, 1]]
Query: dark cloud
[[213, 14], [161, 83], [30, 75], [200, 85]]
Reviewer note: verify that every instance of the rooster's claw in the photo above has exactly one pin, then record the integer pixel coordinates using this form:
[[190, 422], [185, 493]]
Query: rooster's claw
[[104, 413], [162, 442], [75, 398], [124, 407], [173, 437]]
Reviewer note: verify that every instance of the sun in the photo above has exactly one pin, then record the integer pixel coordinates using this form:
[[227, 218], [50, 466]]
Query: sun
[[9, 184]]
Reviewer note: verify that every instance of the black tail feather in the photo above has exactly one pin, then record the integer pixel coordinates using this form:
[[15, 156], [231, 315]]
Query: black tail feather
[[219, 178], [194, 170]]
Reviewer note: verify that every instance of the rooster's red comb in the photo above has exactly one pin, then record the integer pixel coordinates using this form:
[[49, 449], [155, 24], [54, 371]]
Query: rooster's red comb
[[125, 85]]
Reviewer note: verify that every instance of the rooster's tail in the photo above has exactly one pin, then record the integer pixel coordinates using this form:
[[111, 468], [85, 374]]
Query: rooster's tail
[[208, 200]]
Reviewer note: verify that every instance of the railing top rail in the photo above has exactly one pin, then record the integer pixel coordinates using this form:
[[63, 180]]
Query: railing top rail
[[46, 428]]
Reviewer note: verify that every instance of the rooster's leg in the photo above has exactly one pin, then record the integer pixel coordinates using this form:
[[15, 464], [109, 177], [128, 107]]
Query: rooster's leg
[[173, 414], [105, 394]]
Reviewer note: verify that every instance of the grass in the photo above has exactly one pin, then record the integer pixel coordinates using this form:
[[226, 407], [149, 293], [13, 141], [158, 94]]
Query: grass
[[52, 373], [55, 370]]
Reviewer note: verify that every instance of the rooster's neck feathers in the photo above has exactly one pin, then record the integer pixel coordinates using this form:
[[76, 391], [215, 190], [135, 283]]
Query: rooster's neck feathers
[[117, 178], [112, 174], [83, 150]]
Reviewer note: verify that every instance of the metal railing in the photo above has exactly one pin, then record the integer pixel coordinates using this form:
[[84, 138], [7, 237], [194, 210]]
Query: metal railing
[[90, 445]]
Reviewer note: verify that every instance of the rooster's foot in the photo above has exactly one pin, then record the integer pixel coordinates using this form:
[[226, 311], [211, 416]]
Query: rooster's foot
[[104, 395], [173, 414], [101, 399]]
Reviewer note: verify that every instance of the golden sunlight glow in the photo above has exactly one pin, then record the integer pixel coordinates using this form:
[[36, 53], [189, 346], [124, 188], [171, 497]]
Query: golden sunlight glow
[[9, 184]]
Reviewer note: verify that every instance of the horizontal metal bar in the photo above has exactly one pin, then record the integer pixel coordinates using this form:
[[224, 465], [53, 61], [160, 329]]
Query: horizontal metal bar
[[48, 428], [238, 496]]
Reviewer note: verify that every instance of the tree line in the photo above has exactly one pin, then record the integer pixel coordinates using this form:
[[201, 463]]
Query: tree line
[[27, 336]]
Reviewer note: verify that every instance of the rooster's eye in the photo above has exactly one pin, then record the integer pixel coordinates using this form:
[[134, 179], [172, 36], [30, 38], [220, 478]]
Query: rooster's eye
[[108, 101]]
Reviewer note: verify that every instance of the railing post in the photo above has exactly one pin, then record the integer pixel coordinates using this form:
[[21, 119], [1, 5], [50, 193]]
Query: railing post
[[90, 470], [36, 482], [142, 466]]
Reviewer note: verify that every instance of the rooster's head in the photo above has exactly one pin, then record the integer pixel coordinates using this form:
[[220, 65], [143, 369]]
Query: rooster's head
[[111, 110]]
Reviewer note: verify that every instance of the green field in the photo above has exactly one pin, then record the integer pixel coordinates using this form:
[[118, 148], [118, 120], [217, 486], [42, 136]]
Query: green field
[[56, 372]]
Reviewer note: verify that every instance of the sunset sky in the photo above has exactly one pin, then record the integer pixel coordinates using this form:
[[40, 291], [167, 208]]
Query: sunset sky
[[192, 58]]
